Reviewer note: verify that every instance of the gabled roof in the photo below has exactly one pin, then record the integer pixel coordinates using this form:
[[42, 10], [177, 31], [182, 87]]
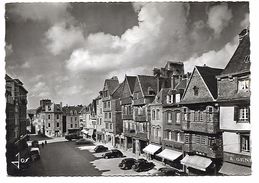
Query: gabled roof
[[131, 82], [182, 84], [161, 96], [67, 109], [237, 63], [117, 92], [209, 77], [147, 82], [112, 84]]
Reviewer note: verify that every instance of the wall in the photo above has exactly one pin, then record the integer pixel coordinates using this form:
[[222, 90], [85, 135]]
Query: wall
[[231, 142], [227, 120]]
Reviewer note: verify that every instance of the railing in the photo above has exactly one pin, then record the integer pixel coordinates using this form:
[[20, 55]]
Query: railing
[[127, 116], [140, 118]]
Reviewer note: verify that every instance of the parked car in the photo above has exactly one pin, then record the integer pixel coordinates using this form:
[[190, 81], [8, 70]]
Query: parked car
[[73, 133], [100, 148], [143, 165], [35, 143], [84, 141], [165, 171], [127, 163], [114, 153], [35, 153]]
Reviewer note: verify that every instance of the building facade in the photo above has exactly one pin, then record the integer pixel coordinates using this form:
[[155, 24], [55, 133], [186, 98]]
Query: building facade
[[200, 123], [234, 101], [70, 119], [100, 125]]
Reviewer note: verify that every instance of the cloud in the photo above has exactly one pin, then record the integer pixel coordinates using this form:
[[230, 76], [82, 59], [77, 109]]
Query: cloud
[[245, 22], [219, 17], [212, 58], [160, 35], [50, 12], [25, 65], [8, 49], [60, 38]]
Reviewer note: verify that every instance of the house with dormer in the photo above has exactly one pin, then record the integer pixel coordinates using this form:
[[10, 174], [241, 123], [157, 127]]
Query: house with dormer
[[234, 103], [200, 123]]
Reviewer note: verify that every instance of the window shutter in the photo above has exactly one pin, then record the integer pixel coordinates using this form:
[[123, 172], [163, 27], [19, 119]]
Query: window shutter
[[173, 117], [248, 108], [236, 113]]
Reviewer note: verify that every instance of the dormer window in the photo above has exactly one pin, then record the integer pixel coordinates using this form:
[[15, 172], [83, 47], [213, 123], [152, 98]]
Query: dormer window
[[177, 98], [247, 59], [195, 90]]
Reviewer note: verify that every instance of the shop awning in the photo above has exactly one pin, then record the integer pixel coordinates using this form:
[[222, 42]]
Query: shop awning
[[233, 169], [169, 154], [151, 149], [197, 162]]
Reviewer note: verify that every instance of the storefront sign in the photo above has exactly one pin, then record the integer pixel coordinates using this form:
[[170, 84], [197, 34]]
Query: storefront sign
[[237, 158]]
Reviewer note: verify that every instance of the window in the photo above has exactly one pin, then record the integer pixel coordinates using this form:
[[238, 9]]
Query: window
[[203, 140], [49, 116], [104, 104], [210, 114], [141, 129], [185, 114], [110, 115], [168, 99], [75, 118], [169, 117], [247, 59], [177, 98], [157, 114], [48, 124], [197, 139], [71, 118], [178, 136], [106, 125], [178, 116], [75, 125], [187, 139], [101, 111], [195, 90], [58, 116], [243, 85], [243, 114], [196, 116], [57, 124], [244, 142], [153, 114], [71, 125], [100, 121], [201, 116], [111, 126], [105, 115]]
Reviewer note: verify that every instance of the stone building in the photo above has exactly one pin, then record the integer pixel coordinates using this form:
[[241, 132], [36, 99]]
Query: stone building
[[70, 119], [234, 101], [200, 123]]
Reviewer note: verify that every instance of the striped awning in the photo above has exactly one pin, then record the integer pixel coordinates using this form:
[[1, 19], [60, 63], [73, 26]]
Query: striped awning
[[197, 162], [169, 154], [151, 149]]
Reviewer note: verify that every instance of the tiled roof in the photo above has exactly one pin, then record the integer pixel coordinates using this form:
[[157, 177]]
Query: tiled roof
[[131, 81], [209, 76], [146, 82], [237, 63], [67, 109]]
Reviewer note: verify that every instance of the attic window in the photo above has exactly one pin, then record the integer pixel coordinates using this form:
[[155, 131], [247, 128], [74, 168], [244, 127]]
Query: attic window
[[195, 90], [151, 91], [247, 59]]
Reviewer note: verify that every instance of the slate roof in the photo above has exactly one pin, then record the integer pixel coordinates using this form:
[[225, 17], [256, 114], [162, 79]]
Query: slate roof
[[237, 63], [112, 84], [209, 76], [67, 109], [131, 82], [117, 92], [182, 84], [146, 82], [161, 96]]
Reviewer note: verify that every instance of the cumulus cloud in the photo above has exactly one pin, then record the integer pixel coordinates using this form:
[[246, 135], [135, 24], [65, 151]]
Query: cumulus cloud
[[245, 22], [50, 12], [60, 37], [219, 17], [160, 35], [212, 58]]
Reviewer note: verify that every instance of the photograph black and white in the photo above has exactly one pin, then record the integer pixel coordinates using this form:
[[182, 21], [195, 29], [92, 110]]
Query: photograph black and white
[[127, 89]]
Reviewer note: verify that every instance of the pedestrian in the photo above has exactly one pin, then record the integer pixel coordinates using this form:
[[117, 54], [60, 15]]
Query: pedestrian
[[42, 144], [45, 142]]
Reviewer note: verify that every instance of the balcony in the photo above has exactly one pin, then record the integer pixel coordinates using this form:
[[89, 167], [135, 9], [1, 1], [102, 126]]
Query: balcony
[[174, 144], [157, 140], [201, 127], [140, 118], [212, 152], [134, 133], [127, 116]]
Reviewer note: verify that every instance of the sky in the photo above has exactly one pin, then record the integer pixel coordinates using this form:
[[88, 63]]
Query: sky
[[65, 51]]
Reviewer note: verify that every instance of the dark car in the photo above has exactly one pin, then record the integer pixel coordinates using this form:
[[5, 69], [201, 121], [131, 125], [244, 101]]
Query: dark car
[[73, 133], [114, 153], [35, 153], [127, 163], [165, 171], [84, 141], [143, 165], [100, 148], [35, 143]]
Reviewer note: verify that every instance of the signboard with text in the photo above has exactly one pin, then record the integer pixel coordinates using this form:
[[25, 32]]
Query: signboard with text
[[237, 158]]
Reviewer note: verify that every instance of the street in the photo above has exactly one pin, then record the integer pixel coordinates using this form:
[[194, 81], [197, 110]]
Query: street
[[63, 159]]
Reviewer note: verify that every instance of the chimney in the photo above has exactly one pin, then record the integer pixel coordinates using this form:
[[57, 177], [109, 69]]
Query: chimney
[[61, 104]]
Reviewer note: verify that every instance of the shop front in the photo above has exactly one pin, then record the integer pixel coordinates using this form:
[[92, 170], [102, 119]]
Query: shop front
[[172, 158], [236, 164], [151, 150]]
